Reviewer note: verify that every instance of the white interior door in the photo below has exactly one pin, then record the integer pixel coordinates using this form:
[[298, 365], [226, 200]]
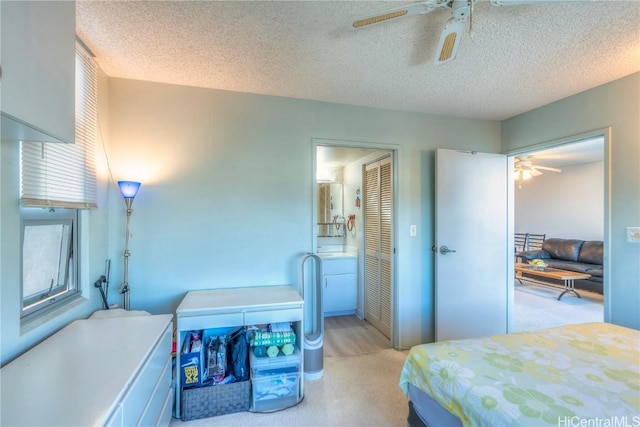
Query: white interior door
[[471, 219]]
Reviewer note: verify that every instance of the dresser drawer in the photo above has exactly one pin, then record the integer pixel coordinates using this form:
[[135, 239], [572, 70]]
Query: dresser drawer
[[157, 400], [273, 316], [164, 418], [145, 382], [205, 321]]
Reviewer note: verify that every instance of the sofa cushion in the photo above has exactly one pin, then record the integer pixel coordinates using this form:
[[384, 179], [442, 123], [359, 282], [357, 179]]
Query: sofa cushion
[[531, 255], [564, 249], [591, 252], [578, 267]]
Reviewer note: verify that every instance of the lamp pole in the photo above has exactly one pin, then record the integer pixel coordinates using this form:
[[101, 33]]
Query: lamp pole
[[129, 189], [124, 287]]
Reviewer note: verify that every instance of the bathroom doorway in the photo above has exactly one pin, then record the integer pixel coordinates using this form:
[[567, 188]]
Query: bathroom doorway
[[345, 162]]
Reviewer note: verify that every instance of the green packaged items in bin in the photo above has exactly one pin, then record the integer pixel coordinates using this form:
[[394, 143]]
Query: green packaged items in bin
[[265, 338]]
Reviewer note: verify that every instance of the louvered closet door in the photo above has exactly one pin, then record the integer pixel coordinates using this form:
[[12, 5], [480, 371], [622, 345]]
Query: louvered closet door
[[371, 244], [378, 247], [385, 246]]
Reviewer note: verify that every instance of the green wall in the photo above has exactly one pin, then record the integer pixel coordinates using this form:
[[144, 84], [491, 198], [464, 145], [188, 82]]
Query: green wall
[[227, 180], [227, 188]]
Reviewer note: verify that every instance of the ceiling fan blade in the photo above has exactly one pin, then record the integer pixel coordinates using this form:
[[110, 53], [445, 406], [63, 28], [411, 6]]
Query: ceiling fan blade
[[547, 169], [449, 40], [521, 2], [398, 12], [535, 172]]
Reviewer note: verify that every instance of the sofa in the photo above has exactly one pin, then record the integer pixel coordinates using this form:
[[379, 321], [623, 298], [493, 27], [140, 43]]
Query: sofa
[[573, 255]]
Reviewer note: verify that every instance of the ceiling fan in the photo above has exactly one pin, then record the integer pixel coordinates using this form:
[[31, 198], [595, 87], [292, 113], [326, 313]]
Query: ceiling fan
[[524, 169], [461, 11]]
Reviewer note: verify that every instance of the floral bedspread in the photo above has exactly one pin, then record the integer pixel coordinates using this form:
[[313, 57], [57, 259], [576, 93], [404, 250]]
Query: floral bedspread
[[586, 374]]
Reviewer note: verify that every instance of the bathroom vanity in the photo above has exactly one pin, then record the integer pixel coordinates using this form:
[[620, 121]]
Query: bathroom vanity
[[340, 284]]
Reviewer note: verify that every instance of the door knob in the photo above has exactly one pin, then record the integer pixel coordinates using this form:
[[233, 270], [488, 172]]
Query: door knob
[[445, 250]]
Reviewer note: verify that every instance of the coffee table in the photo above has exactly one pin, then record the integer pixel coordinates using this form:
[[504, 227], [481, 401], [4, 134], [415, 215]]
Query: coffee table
[[567, 277]]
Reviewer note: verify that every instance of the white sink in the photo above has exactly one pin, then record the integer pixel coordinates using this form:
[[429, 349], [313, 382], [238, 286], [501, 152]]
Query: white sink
[[336, 255]]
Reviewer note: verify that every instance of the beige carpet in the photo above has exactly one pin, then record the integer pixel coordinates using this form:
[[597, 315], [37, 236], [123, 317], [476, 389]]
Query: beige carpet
[[537, 307], [354, 391]]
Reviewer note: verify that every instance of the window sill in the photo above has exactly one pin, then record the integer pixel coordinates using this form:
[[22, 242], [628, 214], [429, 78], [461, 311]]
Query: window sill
[[28, 325]]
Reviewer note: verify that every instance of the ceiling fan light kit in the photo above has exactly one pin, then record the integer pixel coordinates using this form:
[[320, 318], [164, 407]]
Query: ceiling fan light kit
[[524, 169]]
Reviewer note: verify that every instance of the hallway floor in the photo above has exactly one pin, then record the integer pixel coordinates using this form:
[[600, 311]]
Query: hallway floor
[[350, 336]]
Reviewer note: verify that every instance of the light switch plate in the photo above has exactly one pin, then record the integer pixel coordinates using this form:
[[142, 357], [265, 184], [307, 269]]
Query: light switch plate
[[413, 230], [633, 234]]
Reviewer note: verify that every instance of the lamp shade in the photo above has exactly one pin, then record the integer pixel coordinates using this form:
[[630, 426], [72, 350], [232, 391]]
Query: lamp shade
[[129, 189]]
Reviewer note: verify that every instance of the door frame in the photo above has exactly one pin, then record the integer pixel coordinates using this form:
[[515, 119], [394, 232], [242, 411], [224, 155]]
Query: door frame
[[605, 134], [394, 150]]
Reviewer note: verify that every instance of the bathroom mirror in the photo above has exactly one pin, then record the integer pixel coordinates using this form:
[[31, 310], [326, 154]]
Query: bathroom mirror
[[330, 213]]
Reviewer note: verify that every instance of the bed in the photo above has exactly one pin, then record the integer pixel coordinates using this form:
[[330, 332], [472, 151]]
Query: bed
[[556, 376]]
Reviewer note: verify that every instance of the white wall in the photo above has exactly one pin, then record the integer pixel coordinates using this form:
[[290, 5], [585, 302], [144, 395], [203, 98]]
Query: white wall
[[615, 105], [226, 196], [353, 182], [568, 205]]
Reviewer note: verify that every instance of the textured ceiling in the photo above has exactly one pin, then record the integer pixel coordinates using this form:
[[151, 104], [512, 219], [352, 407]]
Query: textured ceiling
[[516, 59]]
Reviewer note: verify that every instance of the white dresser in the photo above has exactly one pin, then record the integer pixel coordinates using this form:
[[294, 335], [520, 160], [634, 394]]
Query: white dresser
[[95, 372], [210, 309]]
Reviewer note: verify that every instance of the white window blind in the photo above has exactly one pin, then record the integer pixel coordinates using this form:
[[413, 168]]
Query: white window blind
[[64, 175]]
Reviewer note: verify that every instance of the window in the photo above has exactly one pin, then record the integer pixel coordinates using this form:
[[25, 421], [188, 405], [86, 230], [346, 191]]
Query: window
[[49, 248], [57, 181]]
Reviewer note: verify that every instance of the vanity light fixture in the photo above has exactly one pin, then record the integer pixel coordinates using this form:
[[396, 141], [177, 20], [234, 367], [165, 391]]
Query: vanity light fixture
[[128, 189]]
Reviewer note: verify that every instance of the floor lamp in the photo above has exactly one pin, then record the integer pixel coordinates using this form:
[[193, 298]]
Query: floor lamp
[[129, 189]]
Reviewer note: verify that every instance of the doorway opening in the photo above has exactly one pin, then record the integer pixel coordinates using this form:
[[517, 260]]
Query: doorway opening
[[560, 192], [344, 163]]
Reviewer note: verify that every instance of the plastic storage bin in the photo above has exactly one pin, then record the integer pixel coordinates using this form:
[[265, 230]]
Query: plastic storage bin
[[275, 382], [280, 361]]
